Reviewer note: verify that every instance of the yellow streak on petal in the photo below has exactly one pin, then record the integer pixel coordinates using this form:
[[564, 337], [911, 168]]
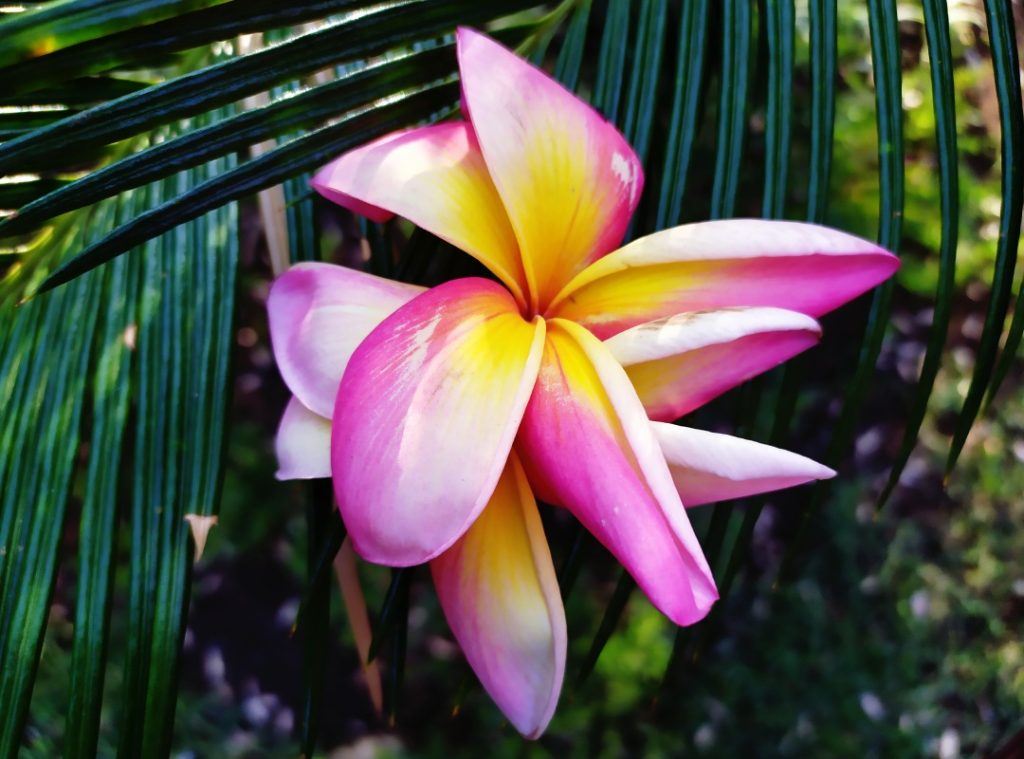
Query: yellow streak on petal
[[626, 294], [501, 595], [473, 211], [502, 543], [567, 364], [435, 177], [551, 198], [491, 356]]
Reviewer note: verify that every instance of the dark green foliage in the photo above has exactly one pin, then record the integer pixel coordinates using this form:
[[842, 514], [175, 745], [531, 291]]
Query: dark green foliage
[[185, 334], [61, 24], [269, 169], [45, 373], [779, 24], [321, 518], [394, 608], [97, 531], [307, 110], [682, 130], [823, 105], [732, 105], [1006, 65], [613, 612], [885, 52], [941, 57], [225, 82]]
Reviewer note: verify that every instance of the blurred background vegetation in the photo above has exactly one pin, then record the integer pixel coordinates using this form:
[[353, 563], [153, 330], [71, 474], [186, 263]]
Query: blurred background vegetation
[[852, 630]]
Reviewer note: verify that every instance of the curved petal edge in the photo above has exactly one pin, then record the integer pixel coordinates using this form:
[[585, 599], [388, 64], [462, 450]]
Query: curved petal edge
[[435, 177], [707, 466], [318, 314], [680, 363], [726, 263], [302, 444], [587, 444], [568, 180], [425, 417]]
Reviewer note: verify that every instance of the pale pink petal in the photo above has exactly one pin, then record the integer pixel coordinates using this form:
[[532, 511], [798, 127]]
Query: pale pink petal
[[568, 179], [682, 362], [498, 590], [318, 314], [586, 441], [436, 178], [723, 264], [425, 417], [303, 444], [708, 467]]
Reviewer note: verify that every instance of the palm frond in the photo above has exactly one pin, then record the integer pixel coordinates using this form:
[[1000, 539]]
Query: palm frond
[[47, 357], [936, 22], [683, 121], [885, 51], [267, 170], [732, 105], [302, 111], [98, 523], [62, 24], [1006, 65]]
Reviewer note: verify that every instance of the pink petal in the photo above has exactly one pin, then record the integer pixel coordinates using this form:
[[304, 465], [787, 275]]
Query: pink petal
[[586, 441], [498, 590], [568, 179], [303, 444], [708, 467], [682, 362], [723, 264], [425, 417], [318, 314], [436, 178]]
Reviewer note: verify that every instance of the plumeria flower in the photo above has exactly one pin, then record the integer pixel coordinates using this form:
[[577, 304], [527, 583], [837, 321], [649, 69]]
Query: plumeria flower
[[440, 414]]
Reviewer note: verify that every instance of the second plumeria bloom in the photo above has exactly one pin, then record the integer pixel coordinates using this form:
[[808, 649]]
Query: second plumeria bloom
[[445, 410]]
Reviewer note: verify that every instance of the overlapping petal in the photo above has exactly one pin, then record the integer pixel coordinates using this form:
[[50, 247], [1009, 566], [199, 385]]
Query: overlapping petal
[[708, 467], [425, 417], [723, 264], [498, 590], [318, 314], [303, 444], [434, 176], [567, 178], [682, 362], [586, 441]]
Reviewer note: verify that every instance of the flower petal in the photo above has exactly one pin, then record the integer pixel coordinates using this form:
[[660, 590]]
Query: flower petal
[[682, 362], [708, 467], [425, 417], [723, 264], [303, 444], [568, 179], [436, 178], [318, 314], [586, 441], [498, 590]]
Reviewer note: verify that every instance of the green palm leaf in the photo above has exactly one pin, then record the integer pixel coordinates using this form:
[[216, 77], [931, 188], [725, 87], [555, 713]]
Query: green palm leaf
[[69, 22], [937, 30], [1006, 64]]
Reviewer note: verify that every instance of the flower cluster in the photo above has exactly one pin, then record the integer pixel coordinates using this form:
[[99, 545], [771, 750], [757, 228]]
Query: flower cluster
[[440, 414]]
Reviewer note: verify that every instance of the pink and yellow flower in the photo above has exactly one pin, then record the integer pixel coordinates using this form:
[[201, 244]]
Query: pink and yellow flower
[[440, 413]]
